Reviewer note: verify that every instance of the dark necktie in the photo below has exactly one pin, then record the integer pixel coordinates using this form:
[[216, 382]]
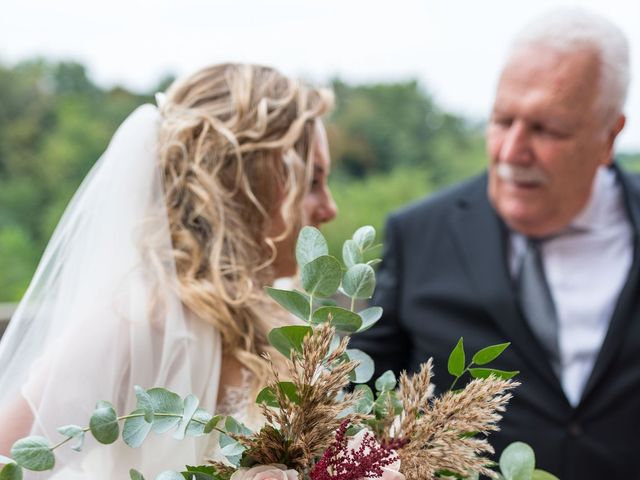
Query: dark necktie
[[537, 303]]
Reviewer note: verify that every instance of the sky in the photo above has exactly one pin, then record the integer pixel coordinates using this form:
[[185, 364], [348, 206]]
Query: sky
[[455, 48]]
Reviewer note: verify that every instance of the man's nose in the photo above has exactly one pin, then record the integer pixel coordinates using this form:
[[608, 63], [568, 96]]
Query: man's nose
[[516, 147]]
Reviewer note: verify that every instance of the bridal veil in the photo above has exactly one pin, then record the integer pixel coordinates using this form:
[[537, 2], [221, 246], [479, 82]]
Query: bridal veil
[[102, 314]]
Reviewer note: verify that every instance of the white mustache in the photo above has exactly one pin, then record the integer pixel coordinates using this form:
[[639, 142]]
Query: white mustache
[[520, 174]]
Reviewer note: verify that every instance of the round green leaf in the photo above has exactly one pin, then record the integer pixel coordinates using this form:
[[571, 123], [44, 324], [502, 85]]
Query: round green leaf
[[104, 423], [342, 319], [457, 360], [386, 381], [321, 277], [543, 475], [144, 403], [292, 301], [135, 429], [351, 253], [168, 403], [230, 448], [364, 237], [369, 317], [135, 475], [364, 371], [11, 471], [365, 403], [517, 461], [211, 422], [284, 339], [232, 425], [33, 453], [311, 244], [198, 423], [269, 398], [191, 403], [488, 354], [487, 372], [359, 281]]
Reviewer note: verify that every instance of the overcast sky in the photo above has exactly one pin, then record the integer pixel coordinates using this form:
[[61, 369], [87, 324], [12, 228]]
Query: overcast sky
[[454, 47]]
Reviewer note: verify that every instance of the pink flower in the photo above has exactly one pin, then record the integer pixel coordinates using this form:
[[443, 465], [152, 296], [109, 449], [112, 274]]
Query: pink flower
[[265, 472], [389, 472]]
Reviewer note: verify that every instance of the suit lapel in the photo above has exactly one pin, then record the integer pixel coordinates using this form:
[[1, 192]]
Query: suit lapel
[[623, 311], [480, 236]]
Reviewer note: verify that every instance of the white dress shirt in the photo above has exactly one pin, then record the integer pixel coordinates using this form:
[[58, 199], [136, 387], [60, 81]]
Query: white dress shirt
[[585, 270]]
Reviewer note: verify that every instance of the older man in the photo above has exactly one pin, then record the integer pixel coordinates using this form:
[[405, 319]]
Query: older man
[[541, 251]]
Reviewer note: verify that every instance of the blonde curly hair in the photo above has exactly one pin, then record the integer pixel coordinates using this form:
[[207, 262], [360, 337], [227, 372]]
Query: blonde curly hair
[[234, 145]]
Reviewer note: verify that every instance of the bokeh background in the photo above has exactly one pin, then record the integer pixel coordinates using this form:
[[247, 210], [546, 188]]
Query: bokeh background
[[414, 81]]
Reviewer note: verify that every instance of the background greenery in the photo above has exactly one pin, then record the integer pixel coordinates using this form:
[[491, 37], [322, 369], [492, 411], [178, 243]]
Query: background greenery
[[390, 144]]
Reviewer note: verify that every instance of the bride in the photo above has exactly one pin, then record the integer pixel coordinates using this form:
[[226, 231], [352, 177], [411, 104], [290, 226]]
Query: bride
[[155, 274]]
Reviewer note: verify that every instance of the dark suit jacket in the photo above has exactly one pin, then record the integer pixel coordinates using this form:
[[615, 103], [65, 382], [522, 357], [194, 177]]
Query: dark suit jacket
[[444, 275]]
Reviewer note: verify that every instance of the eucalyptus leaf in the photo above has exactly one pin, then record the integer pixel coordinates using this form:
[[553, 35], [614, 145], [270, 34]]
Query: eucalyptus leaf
[[135, 429], [232, 425], [104, 423], [517, 461], [199, 423], [311, 244], [144, 403], [488, 354], [33, 453], [487, 372], [543, 475], [228, 447], [359, 281], [74, 431], [364, 371], [291, 301], [380, 407], [268, 396], [457, 359], [364, 237], [369, 317], [167, 407], [365, 402], [212, 423], [170, 475], [11, 471], [385, 382], [135, 475], [342, 319], [191, 403], [351, 253], [374, 261], [285, 339], [321, 277]]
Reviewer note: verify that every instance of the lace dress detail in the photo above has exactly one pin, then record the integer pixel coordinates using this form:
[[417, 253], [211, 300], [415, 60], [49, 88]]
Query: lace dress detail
[[235, 400]]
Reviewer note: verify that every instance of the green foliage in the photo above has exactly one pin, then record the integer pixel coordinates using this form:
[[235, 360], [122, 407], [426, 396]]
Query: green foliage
[[364, 371], [11, 471], [457, 368], [33, 453], [291, 301], [286, 339], [268, 396], [518, 462], [104, 423]]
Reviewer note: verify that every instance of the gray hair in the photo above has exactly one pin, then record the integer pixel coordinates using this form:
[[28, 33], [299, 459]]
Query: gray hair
[[566, 30]]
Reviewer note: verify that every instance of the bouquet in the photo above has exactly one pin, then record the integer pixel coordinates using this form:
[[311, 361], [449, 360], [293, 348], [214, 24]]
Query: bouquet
[[315, 427]]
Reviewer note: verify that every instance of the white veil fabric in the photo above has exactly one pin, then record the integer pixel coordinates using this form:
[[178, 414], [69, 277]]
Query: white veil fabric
[[102, 315]]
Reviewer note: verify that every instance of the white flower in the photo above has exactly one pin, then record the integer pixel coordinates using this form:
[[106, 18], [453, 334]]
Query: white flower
[[265, 472]]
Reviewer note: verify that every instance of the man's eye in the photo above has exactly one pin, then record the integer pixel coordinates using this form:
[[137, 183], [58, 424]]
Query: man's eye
[[502, 121]]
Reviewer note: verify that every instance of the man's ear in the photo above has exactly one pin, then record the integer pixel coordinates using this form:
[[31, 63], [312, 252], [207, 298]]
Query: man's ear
[[611, 137]]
